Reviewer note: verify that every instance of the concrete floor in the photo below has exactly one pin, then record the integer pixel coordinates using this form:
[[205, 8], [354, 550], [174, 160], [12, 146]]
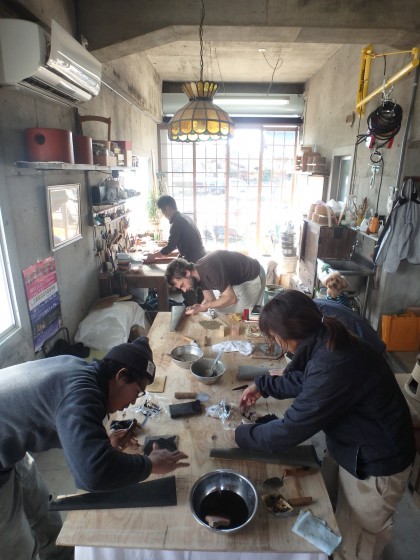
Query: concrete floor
[[405, 545]]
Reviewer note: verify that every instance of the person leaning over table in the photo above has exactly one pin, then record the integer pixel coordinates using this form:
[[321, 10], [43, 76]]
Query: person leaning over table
[[239, 279], [344, 387], [351, 320], [184, 235], [62, 402]]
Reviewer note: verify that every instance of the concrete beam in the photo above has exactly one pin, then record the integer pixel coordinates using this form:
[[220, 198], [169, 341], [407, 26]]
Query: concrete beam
[[115, 30]]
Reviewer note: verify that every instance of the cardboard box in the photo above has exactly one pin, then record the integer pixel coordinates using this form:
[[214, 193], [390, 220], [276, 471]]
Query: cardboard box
[[107, 161], [123, 145], [105, 143], [125, 158], [285, 279]]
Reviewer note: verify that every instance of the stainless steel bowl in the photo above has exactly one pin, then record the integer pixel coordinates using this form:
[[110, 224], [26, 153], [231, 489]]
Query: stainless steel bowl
[[201, 370], [226, 493], [185, 356]]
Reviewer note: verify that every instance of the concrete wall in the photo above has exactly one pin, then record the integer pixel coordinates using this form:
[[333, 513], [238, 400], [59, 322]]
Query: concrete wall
[[331, 96], [135, 108]]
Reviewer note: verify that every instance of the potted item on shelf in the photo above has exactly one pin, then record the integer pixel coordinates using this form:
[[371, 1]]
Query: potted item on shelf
[[153, 211]]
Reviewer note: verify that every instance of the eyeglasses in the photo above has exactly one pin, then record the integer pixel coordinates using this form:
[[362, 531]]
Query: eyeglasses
[[141, 391]]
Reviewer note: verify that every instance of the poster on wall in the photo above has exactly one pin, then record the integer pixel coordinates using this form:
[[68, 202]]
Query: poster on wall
[[43, 300]]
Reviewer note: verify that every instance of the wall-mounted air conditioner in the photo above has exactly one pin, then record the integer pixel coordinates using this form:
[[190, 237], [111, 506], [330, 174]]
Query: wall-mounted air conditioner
[[55, 66]]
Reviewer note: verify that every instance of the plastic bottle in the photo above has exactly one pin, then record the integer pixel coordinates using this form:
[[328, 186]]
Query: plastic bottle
[[374, 224], [365, 224]]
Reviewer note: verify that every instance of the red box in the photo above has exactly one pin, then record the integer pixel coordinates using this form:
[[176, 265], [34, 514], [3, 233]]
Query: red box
[[123, 144]]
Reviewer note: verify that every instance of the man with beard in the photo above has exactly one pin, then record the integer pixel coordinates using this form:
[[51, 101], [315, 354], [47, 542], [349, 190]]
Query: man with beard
[[240, 281]]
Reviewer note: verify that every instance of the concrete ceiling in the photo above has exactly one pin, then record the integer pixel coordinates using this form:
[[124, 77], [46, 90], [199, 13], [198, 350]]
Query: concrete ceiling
[[299, 36], [276, 45], [249, 45]]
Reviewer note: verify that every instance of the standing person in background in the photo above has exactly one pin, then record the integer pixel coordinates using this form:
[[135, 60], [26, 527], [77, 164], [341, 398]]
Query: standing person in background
[[239, 279], [62, 402], [185, 236], [183, 233], [344, 387]]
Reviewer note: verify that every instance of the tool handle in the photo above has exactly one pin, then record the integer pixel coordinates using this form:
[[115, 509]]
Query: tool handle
[[186, 395], [298, 471], [302, 501], [129, 433]]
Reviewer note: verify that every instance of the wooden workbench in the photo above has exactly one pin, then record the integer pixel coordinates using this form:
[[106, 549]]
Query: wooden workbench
[[174, 528], [139, 276]]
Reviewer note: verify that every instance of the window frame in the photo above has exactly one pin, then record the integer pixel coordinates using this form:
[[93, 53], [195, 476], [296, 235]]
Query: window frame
[[7, 286]]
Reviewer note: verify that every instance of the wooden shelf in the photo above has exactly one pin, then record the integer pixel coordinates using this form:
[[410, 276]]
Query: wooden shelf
[[120, 217], [60, 166], [98, 208]]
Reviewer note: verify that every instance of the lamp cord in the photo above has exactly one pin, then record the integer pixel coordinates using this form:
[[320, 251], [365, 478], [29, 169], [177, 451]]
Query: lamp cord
[[273, 68], [200, 34]]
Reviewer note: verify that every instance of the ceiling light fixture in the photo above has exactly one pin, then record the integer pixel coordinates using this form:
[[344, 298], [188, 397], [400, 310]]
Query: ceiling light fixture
[[200, 119]]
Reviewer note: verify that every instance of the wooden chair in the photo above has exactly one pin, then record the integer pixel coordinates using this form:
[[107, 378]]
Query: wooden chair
[[106, 120]]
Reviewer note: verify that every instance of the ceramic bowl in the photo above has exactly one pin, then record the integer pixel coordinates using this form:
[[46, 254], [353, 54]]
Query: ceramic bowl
[[201, 371], [223, 493], [185, 356]]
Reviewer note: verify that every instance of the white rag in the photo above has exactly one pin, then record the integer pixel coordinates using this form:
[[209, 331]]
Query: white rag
[[317, 532], [242, 346]]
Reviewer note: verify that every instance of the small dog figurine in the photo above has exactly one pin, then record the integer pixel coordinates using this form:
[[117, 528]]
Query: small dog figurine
[[335, 284]]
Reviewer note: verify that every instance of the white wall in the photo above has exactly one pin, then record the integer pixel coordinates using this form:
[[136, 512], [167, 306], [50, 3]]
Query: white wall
[[332, 95], [22, 192]]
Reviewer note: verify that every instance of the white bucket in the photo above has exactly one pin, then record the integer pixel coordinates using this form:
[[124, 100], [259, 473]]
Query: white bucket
[[287, 264]]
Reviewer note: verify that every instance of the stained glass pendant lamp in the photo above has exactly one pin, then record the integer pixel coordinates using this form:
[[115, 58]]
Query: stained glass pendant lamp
[[200, 119]]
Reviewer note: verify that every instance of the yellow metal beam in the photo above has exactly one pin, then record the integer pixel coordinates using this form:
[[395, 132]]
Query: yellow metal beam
[[367, 55], [364, 77]]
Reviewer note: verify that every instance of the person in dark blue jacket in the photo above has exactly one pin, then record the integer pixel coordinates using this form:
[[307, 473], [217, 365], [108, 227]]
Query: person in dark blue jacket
[[62, 402], [344, 387]]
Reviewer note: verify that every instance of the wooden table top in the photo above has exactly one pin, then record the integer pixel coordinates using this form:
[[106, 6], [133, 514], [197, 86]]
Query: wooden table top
[[174, 528]]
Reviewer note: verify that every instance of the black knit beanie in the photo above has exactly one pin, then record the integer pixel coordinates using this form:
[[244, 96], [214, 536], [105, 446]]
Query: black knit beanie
[[136, 355]]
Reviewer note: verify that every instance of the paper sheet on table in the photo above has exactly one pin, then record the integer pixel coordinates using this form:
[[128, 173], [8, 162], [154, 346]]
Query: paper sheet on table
[[317, 532], [242, 346]]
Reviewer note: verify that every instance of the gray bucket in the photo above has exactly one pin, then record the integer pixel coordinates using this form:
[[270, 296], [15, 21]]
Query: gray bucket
[[288, 244], [270, 291]]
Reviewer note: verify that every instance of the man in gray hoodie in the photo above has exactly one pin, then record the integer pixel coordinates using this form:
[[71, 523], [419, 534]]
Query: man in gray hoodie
[[62, 402]]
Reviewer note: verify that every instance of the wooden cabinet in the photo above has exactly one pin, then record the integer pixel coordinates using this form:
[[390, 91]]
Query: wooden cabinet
[[321, 241]]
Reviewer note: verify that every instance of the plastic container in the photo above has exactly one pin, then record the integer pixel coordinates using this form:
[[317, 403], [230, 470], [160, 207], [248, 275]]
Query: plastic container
[[288, 264], [374, 224], [270, 291], [288, 244]]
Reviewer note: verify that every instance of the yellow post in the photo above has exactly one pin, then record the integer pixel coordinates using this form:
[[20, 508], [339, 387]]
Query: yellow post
[[364, 77]]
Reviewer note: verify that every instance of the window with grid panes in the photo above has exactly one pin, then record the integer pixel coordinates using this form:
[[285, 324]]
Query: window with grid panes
[[239, 192]]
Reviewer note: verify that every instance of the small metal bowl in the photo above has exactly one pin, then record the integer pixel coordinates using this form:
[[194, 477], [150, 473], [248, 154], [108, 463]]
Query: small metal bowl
[[185, 356], [201, 371], [226, 493]]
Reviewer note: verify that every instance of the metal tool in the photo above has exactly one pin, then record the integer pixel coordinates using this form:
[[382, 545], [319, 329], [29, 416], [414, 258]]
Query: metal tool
[[147, 415], [276, 482], [240, 388], [202, 397], [128, 434], [212, 371], [280, 507]]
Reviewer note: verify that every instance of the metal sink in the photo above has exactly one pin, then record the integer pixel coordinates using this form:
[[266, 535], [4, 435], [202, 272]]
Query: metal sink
[[349, 267], [356, 271]]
